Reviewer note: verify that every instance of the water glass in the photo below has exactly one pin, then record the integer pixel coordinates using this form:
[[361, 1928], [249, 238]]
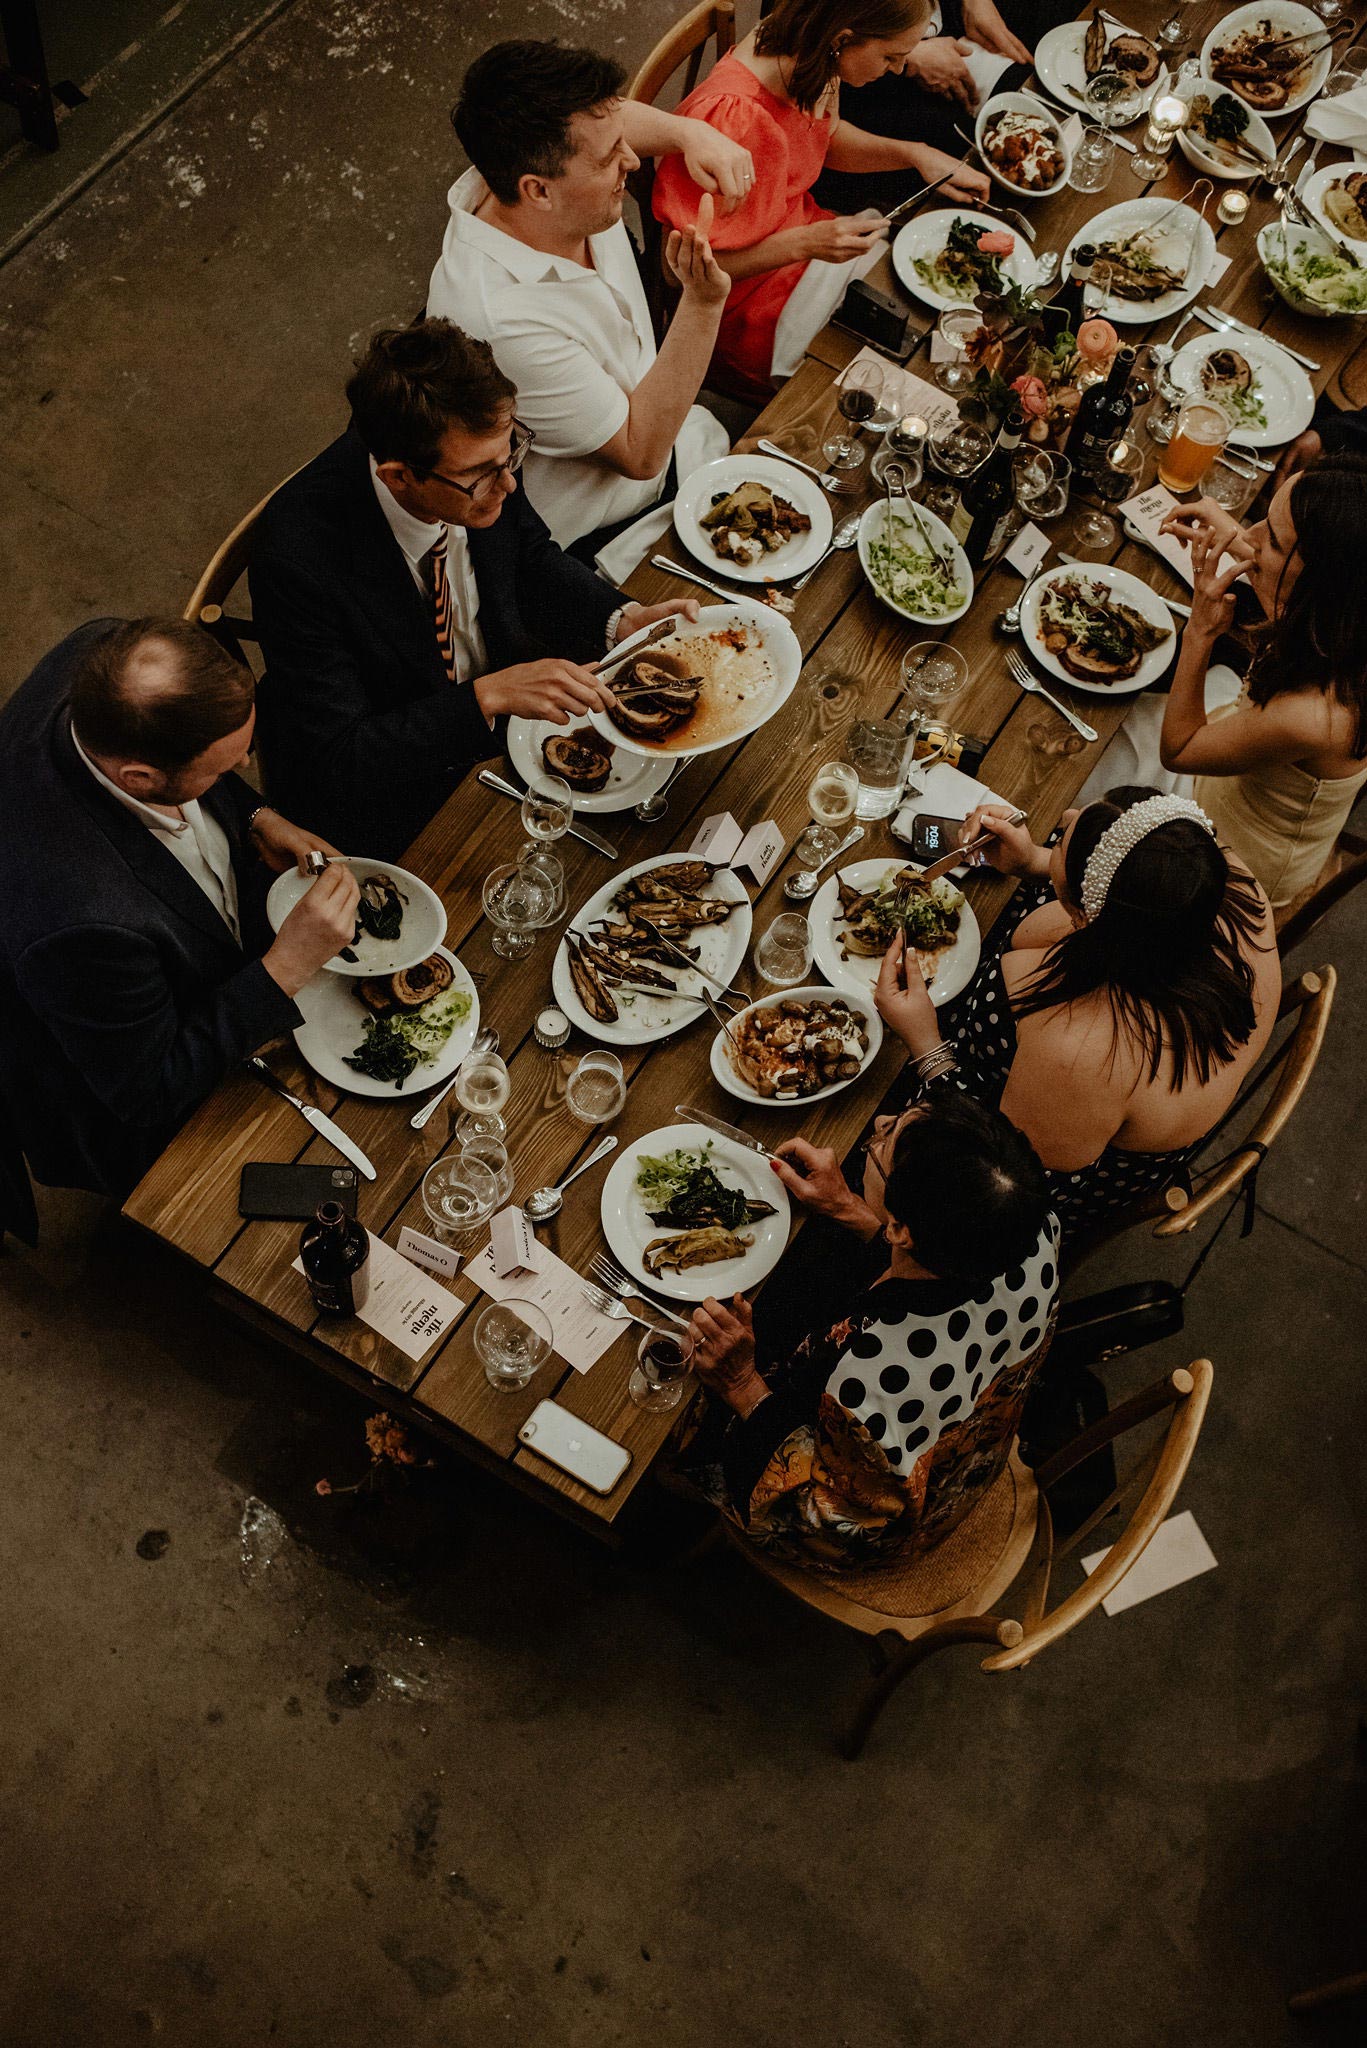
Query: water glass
[[909, 467], [958, 447], [547, 867], [1042, 479], [1233, 483], [597, 1089], [519, 903], [783, 956], [1121, 472], [876, 751], [933, 673], [1093, 162], [482, 1088], [459, 1195], [831, 797], [663, 1358], [547, 808], [1347, 74], [513, 1339], [493, 1153], [954, 330]]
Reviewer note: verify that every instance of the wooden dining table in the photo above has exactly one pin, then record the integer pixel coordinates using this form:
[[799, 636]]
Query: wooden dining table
[[852, 646]]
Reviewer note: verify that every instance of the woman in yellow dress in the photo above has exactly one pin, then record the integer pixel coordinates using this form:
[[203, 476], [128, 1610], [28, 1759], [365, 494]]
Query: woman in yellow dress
[[1279, 771]]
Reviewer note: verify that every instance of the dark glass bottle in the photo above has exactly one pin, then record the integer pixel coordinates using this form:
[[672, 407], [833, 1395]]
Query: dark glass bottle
[[1067, 310], [334, 1251], [1102, 416], [989, 496]]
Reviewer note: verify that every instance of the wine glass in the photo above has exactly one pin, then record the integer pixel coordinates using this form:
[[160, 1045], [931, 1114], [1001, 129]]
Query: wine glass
[[519, 902], [954, 330], [1166, 116], [459, 1195], [1121, 473], [933, 673], [783, 956], [1113, 99], [1042, 478], [596, 1090], [845, 459], [1094, 530], [548, 868], [513, 1340], [1174, 29], [493, 1153], [858, 393], [547, 809], [832, 795], [662, 1361], [482, 1088]]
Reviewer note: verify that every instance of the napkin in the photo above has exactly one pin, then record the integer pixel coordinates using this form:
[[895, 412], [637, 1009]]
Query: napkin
[[949, 793], [1342, 119]]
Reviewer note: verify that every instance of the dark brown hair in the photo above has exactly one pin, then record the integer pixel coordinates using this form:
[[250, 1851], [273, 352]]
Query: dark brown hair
[[414, 382], [1316, 638], [968, 1186], [159, 691], [516, 104], [804, 31]]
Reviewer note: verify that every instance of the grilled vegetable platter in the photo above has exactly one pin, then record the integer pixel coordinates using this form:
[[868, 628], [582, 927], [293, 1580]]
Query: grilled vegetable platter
[[689, 1213]]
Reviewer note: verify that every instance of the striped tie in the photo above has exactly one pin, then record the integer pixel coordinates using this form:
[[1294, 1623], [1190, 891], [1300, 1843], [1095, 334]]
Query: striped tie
[[439, 590]]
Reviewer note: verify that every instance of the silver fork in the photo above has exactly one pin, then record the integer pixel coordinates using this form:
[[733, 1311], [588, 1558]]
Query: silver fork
[[830, 484], [616, 1310], [611, 1276], [1020, 673], [738, 999]]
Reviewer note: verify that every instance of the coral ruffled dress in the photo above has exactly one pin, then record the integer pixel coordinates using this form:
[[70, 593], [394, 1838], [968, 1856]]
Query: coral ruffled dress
[[789, 150]]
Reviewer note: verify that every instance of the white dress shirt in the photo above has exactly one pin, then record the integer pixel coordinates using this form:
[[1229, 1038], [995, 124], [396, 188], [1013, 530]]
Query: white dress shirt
[[576, 342], [417, 538], [196, 839]]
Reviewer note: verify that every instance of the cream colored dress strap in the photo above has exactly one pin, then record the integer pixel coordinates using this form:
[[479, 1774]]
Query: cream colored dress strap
[[1280, 821]]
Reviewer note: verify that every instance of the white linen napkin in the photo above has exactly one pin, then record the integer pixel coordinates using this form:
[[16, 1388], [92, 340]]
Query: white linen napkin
[[1342, 119]]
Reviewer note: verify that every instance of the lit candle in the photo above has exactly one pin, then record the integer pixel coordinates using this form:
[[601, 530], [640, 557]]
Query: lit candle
[[1233, 206], [1169, 113]]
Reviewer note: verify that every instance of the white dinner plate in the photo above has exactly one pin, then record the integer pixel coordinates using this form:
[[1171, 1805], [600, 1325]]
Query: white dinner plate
[[715, 479], [743, 689], [630, 778], [1183, 231], [1285, 392], [925, 235], [725, 1073], [334, 1025], [1312, 197], [954, 967], [1022, 103], [628, 1228], [873, 528], [1282, 14], [644, 1017], [1060, 69], [422, 930], [1205, 156], [1130, 590]]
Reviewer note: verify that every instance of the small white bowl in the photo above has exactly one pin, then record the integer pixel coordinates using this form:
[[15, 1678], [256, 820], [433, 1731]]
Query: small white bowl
[[422, 931], [1021, 103], [727, 1074]]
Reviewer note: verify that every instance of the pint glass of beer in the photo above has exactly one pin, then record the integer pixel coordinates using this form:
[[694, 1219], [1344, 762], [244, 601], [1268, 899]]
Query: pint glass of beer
[[1198, 437]]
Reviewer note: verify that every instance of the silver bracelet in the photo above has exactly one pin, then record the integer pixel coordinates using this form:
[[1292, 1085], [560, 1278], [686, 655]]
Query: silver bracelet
[[935, 1055], [613, 623]]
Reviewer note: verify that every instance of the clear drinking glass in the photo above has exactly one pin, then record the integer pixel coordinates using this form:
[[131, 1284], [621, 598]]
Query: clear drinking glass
[[493, 1153], [597, 1089], [1169, 399], [876, 751], [933, 673], [513, 1339], [519, 902], [783, 956], [958, 447], [1042, 478], [1166, 116], [662, 1361], [1093, 161], [547, 867], [1122, 472], [459, 1195], [889, 456], [831, 797], [1347, 74], [1113, 99], [954, 329], [547, 808], [1233, 482], [482, 1088]]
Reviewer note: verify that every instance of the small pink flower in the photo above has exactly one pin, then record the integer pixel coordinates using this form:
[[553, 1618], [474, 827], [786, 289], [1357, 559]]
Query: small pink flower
[[1033, 397], [996, 243], [1097, 339], [323, 1486]]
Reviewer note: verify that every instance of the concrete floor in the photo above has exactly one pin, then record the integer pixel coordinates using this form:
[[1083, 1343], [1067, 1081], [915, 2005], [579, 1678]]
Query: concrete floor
[[437, 1771]]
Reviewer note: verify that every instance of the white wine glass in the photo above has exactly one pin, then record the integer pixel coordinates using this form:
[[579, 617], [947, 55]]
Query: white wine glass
[[597, 1090], [519, 903], [513, 1340], [832, 795], [482, 1090], [547, 809]]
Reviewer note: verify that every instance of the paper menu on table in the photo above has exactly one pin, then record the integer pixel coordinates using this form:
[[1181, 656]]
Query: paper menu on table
[[910, 393], [1146, 513], [580, 1335], [404, 1305]]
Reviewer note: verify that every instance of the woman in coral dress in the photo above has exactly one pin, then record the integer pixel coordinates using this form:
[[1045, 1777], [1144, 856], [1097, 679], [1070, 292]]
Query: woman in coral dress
[[778, 93]]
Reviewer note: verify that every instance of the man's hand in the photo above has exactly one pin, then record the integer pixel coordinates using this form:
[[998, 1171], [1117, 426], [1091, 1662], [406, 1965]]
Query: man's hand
[[725, 1356], [717, 164], [282, 845], [1298, 456], [932, 165], [903, 1001], [984, 26], [634, 615], [813, 1176], [836, 241], [320, 924], [554, 689], [938, 64], [689, 260]]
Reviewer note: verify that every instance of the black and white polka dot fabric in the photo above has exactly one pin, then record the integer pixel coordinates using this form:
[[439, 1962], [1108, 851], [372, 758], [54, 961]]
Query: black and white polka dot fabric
[[908, 1376]]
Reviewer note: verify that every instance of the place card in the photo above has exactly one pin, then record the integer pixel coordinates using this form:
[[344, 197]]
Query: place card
[[580, 1333], [1071, 132], [407, 1309], [761, 850], [1219, 264], [1177, 1552], [1028, 549], [511, 1242], [440, 1259], [718, 838]]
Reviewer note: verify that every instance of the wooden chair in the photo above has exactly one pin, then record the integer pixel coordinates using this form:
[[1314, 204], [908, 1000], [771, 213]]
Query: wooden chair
[[910, 1609], [683, 45], [226, 568], [1341, 874]]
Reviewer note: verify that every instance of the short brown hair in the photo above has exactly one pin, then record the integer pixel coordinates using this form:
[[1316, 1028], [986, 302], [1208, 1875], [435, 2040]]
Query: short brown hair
[[159, 691], [517, 103], [414, 382], [805, 31]]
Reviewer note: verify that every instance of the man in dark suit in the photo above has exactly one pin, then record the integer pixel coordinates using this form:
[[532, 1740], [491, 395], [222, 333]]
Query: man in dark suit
[[136, 964], [408, 598]]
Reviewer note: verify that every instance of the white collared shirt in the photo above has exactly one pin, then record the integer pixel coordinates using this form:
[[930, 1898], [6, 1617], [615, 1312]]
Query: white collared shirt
[[417, 538], [576, 342], [196, 839]]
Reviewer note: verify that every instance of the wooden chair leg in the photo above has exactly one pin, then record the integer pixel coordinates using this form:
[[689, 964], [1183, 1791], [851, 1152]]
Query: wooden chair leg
[[894, 1659], [1329, 1994]]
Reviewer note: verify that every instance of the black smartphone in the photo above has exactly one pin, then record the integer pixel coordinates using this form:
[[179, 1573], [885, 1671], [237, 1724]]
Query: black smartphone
[[290, 1193], [932, 838]]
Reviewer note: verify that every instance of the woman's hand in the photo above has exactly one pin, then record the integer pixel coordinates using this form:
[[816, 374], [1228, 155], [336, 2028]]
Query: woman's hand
[[847, 235], [1208, 532], [938, 64], [1013, 851], [813, 1176], [282, 845], [903, 1000], [724, 1359], [932, 164], [634, 615], [984, 25]]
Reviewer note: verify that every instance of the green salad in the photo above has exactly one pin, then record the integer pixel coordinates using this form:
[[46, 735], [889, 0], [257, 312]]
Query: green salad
[[911, 578], [395, 1046], [1243, 408], [1317, 273]]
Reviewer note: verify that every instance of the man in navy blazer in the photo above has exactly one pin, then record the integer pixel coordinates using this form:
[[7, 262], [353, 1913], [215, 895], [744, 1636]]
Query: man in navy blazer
[[136, 964], [408, 598]]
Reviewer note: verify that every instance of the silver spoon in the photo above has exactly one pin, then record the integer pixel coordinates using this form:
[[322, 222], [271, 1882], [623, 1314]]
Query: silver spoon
[[1009, 621], [801, 887], [845, 536], [487, 1041], [544, 1203], [652, 807]]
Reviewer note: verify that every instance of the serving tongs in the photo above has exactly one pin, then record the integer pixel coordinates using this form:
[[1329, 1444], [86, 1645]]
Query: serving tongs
[[727, 997], [1291, 204], [1316, 39], [896, 482]]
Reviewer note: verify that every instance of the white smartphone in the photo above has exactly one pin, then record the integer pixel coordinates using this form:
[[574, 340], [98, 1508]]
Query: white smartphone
[[585, 1453]]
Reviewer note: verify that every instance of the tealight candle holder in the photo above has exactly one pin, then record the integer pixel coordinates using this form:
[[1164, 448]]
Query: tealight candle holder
[[1166, 116], [1233, 207]]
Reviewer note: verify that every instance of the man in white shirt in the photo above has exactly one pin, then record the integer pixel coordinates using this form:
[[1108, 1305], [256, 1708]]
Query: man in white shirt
[[538, 263]]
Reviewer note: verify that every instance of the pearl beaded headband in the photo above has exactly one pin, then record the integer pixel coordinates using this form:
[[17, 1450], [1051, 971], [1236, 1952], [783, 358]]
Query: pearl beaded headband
[[1124, 835]]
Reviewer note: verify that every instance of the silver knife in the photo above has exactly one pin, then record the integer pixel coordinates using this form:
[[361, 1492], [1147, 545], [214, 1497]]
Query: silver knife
[[722, 1129], [1226, 323], [593, 839], [324, 1125]]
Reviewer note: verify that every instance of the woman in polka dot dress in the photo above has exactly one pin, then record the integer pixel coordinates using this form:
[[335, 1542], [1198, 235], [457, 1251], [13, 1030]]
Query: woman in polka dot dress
[[876, 1437]]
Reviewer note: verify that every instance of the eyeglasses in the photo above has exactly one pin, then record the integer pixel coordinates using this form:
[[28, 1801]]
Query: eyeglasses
[[522, 439]]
